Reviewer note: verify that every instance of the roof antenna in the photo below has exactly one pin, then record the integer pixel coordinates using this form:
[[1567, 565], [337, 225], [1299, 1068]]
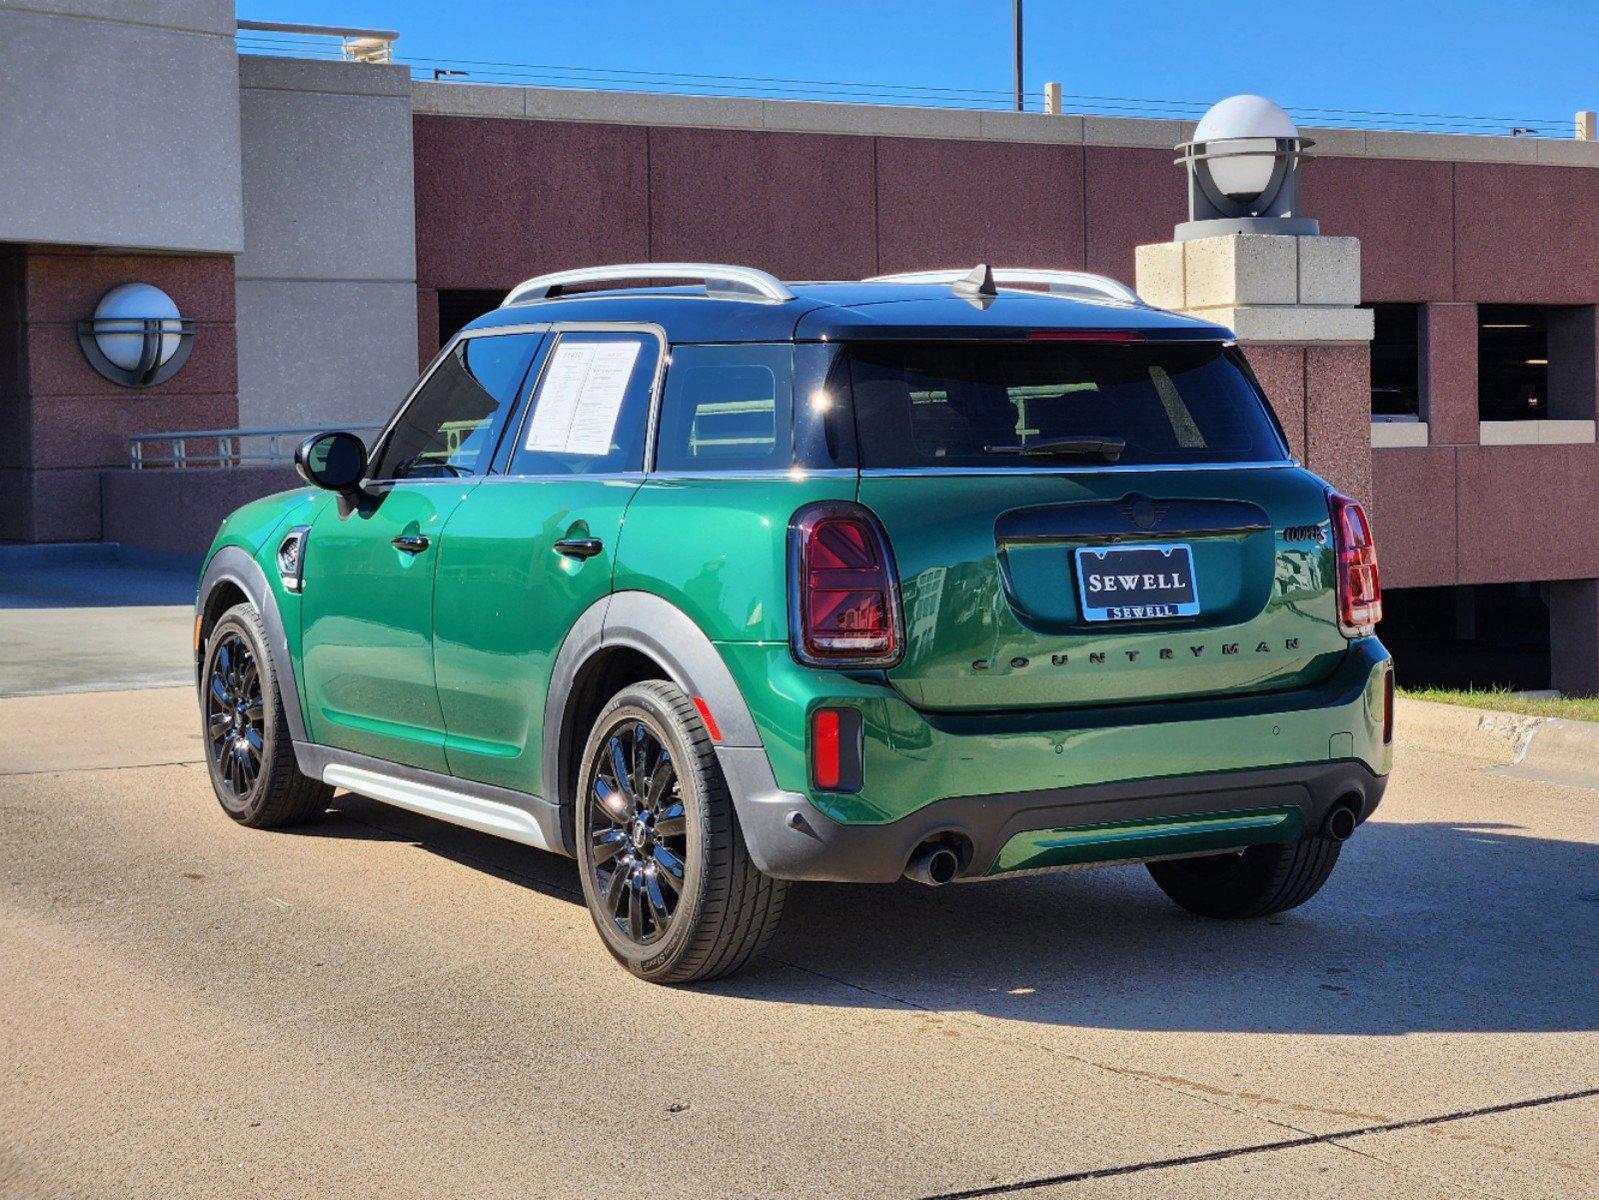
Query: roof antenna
[[979, 284]]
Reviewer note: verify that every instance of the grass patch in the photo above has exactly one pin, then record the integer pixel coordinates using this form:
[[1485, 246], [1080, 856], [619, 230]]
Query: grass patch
[[1504, 700]]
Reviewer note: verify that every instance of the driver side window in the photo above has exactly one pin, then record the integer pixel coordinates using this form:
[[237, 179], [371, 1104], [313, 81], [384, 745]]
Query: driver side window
[[452, 424]]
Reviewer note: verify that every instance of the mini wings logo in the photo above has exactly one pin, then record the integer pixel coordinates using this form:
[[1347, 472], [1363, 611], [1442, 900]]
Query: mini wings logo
[[1142, 511]]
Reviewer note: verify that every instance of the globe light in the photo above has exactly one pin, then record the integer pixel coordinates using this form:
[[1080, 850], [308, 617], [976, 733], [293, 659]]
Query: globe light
[[1243, 164], [136, 337]]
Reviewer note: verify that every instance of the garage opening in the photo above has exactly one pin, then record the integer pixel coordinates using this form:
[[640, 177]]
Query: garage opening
[[1478, 637]]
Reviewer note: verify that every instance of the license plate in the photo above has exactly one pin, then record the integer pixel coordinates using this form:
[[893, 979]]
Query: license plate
[[1137, 583]]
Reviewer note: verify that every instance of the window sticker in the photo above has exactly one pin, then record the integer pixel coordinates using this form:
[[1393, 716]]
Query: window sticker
[[581, 397]]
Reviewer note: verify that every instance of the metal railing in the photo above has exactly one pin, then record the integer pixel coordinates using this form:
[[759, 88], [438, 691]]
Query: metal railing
[[261, 446], [355, 45]]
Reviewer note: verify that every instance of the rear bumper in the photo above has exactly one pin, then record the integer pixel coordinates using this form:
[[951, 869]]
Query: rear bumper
[[1025, 831], [1107, 786]]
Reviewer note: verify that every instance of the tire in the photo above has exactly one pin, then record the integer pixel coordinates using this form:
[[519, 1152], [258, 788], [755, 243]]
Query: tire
[[1255, 882], [666, 875], [249, 751]]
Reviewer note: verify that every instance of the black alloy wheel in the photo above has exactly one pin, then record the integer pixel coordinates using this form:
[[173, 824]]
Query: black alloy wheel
[[637, 851], [235, 715]]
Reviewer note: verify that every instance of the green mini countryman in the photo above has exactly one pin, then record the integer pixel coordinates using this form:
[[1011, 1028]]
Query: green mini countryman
[[727, 584]]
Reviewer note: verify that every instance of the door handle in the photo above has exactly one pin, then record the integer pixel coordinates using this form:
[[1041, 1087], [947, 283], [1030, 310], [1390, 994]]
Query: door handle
[[579, 547], [411, 543]]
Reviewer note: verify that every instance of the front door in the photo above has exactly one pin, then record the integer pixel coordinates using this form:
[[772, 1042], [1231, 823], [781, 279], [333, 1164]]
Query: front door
[[368, 606], [530, 549]]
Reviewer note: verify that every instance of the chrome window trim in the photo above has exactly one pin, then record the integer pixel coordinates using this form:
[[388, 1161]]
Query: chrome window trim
[[556, 329], [788, 474], [445, 351]]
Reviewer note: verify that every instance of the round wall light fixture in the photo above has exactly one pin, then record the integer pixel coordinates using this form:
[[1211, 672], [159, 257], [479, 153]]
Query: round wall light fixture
[[1243, 171], [136, 337]]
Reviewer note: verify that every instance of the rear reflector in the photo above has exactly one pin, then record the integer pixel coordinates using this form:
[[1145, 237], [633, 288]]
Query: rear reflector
[[843, 596], [836, 749], [710, 721], [1388, 708], [1084, 335], [1359, 589]]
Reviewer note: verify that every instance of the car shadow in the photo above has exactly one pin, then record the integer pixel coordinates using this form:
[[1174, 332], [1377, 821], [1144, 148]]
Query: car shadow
[[1430, 927]]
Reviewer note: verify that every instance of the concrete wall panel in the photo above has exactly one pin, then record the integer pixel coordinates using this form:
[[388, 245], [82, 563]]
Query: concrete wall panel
[[324, 354], [1132, 197], [327, 171], [797, 204], [1448, 335], [1281, 372], [178, 512], [1409, 258], [1527, 512], [943, 203], [326, 291], [1413, 516], [498, 201], [120, 125], [1524, 234]]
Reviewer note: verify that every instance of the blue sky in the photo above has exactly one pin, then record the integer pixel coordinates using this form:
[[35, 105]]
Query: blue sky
[[1534, 63]]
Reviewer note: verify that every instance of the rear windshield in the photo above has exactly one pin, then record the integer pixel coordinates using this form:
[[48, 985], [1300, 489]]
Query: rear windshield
[[949, 404]]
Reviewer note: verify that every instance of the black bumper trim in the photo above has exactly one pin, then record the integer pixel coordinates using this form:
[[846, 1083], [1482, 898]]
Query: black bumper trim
[[790, 839]]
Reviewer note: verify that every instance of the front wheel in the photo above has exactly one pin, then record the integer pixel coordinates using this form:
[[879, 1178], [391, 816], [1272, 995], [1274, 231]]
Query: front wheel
[[249, 750], [1254, 882], [666, 874]]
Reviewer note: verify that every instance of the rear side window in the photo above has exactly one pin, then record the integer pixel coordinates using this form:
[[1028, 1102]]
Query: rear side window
[[450, 427], [727, 408], [983, 404], [590, 407]]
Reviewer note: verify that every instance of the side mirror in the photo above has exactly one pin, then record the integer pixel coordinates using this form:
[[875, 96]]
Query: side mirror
[[335, 461]]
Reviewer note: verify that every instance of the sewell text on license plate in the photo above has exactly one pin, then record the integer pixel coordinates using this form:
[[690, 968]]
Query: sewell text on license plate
[[1137, 583]]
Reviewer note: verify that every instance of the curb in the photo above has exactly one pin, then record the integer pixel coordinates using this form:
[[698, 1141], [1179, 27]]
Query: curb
[[1542, 745]]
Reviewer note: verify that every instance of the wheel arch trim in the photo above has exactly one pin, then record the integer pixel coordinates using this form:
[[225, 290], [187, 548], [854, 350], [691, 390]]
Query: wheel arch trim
[[233, 564], [658, 629]]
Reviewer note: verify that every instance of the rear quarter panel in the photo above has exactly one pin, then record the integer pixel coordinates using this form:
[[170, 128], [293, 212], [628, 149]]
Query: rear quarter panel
[[716, 547]]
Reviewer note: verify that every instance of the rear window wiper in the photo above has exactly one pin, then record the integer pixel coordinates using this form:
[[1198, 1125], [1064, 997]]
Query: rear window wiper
[[1108, 449]]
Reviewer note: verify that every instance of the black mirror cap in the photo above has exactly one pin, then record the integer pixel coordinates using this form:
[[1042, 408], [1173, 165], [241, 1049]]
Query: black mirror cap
[[335, 461]]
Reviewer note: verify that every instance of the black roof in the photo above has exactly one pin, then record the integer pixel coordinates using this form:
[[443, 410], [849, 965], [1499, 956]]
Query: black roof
[[851, 311]]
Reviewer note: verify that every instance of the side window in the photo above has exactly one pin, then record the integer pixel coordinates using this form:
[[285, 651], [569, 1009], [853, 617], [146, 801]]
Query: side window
[[727, 408], [452, 424], [591, 406]]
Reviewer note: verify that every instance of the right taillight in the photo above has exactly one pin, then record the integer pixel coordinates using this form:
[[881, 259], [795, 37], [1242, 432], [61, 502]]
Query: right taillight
[[844, 600], [1359, 590]]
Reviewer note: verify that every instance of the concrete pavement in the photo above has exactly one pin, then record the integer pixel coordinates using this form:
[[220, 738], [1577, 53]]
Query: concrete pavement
[[384, 1004]]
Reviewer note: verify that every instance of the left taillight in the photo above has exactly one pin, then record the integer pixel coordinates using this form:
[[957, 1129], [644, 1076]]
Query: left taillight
[[1359, 589], [843, 593]]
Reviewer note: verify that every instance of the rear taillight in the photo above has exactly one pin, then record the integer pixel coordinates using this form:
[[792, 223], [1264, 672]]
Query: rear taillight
[[843, 596], [1359, 591]]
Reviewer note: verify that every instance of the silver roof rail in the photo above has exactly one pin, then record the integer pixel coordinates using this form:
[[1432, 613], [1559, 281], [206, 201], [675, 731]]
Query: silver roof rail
[[721, 281], [1079, 285]]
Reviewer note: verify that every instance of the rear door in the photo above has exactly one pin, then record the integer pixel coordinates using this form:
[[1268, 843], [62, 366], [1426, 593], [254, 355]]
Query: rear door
[[534, 546], [1091, 522], [368, 605]]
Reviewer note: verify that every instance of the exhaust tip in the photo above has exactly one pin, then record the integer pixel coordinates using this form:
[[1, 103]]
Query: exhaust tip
[[1341, 822], [933, 864]]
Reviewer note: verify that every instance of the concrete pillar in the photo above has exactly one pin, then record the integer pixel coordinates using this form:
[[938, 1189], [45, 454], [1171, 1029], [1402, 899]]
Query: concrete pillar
[[1052, 98], [1587, 126], [1574, 636], [1294, 304], [1449, 373]]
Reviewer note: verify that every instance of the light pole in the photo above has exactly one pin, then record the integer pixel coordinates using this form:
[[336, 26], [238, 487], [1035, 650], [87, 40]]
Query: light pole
[[1016, 12]]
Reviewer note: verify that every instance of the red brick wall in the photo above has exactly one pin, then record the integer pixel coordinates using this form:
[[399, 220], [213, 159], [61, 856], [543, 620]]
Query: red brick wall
[[61, 423]]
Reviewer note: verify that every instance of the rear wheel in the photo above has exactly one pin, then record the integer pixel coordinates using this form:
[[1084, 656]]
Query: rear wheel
[[249, 750], [1253, 882], [665, 871]]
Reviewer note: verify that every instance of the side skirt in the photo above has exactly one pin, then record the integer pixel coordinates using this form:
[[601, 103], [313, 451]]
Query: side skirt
[[516, 816]]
